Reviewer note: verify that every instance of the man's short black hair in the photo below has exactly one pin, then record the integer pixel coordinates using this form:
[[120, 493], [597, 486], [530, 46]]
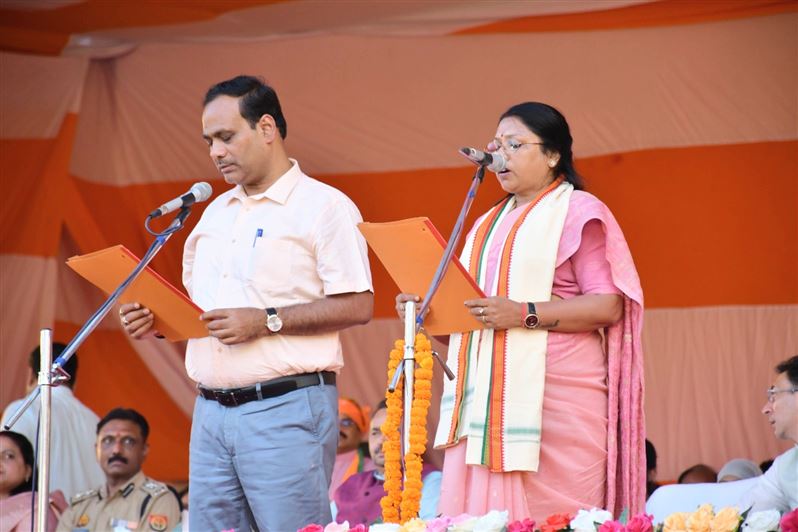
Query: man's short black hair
[[71, 367], [257, 99], [127, 414], [698, 469], [651, 456], [790, 367]]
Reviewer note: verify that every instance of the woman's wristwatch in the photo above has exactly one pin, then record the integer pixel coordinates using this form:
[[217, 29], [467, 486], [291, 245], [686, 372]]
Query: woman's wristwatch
[[531, 320]]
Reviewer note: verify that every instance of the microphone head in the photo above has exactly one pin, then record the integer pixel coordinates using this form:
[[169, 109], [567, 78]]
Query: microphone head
[[201, 191], [499, 163], [494, 162]]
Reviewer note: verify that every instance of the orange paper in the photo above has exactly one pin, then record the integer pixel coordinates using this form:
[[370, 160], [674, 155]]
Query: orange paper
[[176, 316], [410, 250]]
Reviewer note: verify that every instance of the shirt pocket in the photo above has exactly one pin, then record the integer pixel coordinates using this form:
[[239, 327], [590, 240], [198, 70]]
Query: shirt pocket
[[270, 265]]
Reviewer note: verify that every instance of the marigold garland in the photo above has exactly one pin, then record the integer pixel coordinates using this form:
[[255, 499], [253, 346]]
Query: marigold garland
[[406, 499]]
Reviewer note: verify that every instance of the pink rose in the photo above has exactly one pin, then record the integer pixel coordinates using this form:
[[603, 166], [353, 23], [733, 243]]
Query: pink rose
[[611, 526], [311, 528], [641, 523], [439, 524], [462, 518], [359, 528], [527, 525], [556, 522], [789, 521]]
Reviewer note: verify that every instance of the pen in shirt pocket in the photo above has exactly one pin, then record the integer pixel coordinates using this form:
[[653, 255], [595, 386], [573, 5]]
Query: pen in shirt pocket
[[258, 234]]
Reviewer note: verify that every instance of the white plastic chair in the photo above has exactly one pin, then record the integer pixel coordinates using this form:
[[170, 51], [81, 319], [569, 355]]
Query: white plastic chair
[[674, 498]]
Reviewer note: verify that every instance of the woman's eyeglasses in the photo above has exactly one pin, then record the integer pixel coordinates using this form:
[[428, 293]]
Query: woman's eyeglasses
[[509, 145]]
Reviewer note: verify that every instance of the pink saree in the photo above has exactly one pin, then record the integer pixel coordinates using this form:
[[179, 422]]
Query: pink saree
[[592, 447]]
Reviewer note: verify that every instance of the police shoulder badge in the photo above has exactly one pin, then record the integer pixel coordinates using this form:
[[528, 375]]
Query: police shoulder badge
[[157, 522], [83, 496], [154, 488]]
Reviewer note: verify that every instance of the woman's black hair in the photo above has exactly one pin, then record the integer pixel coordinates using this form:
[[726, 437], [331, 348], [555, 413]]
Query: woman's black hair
[[550, 125], [26, 449]]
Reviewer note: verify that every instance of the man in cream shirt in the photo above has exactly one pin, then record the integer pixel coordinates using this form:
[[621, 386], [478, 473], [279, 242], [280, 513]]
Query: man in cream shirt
[[279, 266], [777, 489]]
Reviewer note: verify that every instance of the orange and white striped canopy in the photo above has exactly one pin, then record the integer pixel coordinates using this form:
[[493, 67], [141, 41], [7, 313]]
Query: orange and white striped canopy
[[684, 115]]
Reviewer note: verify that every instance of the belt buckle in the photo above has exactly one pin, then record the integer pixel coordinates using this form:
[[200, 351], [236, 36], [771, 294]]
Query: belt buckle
[[226, 398]]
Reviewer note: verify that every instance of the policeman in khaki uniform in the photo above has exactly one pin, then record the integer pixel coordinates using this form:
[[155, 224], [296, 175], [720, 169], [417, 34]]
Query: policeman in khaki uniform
[[128, 500]]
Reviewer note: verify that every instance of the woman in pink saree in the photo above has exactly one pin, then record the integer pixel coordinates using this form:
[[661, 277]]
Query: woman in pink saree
[[545, 414], [16, 483]]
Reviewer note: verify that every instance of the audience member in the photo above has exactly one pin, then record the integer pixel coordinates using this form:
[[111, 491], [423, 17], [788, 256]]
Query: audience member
[[17, 481], [697, 474], [738, 469], [73, 468], [777, 489], [651, 469], [127, 499], [353, 424], [357, 500]]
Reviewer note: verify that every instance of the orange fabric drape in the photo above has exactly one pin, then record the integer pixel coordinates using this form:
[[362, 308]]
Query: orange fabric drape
[[647, 14]]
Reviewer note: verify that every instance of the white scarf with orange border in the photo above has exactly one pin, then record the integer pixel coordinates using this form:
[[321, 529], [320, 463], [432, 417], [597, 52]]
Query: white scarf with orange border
[[496, 400]]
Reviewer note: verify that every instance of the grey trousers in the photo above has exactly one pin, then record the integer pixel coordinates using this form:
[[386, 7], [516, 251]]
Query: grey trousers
[[265, 465]]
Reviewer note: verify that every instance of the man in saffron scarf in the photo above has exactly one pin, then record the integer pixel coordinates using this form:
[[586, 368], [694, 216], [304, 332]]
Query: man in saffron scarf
[[357, 500], [351, 458], [545, 414]]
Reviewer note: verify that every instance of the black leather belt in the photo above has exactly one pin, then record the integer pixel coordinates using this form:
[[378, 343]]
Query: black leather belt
[[264, 390]]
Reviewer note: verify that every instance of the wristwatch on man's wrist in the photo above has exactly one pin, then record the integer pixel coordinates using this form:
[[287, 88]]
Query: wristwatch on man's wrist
[[273, 321], [531, 320]]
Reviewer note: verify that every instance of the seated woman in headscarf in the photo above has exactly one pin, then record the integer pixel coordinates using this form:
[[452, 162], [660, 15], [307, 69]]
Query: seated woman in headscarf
[[738, 469], [16, 484]]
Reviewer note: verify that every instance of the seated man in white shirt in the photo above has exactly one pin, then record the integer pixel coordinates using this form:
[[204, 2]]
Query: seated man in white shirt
[[777, 489], [73, 465]]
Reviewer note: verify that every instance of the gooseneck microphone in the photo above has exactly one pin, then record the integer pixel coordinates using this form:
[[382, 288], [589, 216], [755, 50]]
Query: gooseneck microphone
[[198, 193], [492, 161]]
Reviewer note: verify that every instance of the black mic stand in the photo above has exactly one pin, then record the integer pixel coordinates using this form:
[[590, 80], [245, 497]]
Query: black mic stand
[[415, 322], [443, 266], [56, 375]]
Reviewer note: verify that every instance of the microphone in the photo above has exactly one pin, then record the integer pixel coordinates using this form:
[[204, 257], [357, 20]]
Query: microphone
[[197, 193], [492, 161]]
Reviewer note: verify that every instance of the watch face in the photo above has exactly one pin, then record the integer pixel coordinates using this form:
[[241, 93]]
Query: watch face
[[274, 323], [531, 321]]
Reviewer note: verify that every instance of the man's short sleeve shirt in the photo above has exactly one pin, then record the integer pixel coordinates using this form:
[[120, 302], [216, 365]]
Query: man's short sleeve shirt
[[295, 243]]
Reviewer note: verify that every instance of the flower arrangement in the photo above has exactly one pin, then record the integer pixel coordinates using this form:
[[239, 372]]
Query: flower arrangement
[[402, 501], [704, 519], [789, 521]]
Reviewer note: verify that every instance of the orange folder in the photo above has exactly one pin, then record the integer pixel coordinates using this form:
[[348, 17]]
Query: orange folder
[[410, 250], [176, 316]]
